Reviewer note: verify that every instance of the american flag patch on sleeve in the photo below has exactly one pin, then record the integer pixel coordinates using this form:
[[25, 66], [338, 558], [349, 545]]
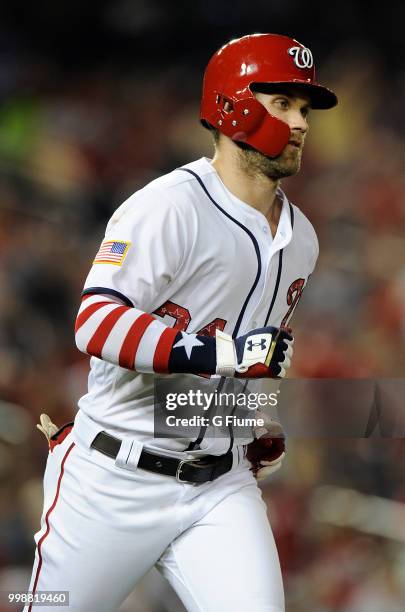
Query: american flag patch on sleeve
[[112, 252]]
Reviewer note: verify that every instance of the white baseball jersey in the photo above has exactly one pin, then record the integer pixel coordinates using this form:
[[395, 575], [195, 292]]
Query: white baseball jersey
[[187, 251]]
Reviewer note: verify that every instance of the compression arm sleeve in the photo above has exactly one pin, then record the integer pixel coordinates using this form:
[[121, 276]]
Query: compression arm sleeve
[[135, 340]]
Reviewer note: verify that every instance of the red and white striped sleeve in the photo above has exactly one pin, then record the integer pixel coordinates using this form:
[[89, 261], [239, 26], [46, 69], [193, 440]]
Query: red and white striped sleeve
[[135, 340]]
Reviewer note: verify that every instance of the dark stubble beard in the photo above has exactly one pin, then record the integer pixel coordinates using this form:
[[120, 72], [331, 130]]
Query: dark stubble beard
[[254, 163]]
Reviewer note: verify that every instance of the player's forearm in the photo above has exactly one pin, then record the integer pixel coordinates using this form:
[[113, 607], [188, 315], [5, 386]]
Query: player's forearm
[[135, 340]]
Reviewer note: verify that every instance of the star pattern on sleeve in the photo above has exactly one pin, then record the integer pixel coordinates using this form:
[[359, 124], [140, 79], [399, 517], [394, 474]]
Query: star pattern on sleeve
[[188, 341]]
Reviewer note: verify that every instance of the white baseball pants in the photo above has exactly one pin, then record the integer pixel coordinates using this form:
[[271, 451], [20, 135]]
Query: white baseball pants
[[103, 527]]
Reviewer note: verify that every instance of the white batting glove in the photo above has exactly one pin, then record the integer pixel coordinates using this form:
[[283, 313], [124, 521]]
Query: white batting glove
[[262, 353]]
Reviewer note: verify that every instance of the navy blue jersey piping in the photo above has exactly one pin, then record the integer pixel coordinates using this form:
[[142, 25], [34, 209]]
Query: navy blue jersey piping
[[203, 429], [280, 267], [106, 291], [251, 236], [273, 299], [291, 215]]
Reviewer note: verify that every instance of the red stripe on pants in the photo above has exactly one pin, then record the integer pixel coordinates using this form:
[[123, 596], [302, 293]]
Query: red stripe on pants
[[41, 541]]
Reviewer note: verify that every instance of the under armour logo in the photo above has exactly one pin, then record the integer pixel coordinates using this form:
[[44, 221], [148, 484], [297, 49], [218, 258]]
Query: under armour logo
[[251, 344], [302, 57]]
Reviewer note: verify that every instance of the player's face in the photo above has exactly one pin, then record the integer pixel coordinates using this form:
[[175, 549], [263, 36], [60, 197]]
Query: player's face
[[291, 107]]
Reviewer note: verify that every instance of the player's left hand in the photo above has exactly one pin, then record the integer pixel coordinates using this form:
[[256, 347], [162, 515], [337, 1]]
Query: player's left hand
[[267, 450], [275, 356], [265, 352]]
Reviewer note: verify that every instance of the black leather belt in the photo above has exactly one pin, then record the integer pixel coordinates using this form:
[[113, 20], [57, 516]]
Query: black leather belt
[[202, 470]]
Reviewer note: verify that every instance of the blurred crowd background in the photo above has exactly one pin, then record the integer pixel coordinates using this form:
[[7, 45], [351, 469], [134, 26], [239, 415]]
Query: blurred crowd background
[[94, 103]]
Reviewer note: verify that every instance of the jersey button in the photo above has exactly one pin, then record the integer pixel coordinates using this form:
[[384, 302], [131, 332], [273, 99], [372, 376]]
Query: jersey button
[[265, 229]]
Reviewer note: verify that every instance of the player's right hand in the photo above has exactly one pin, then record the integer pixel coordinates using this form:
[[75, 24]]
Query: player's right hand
[[261, 353], [267, 451]]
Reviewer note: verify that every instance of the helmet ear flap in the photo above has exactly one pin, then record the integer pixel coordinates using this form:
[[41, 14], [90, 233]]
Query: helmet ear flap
[[232, 117], [247, 121], [224, 103]]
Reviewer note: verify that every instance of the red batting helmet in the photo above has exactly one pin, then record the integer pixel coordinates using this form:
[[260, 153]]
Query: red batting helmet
[[250, 61]]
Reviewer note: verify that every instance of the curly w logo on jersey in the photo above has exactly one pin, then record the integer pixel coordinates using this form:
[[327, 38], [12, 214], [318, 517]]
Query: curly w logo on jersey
[[112, 252]]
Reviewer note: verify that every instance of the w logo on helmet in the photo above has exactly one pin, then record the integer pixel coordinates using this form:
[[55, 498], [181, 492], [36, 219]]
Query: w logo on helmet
[[302, 57], [251, 344]]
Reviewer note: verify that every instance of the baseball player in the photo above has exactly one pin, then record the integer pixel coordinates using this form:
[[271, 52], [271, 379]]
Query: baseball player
[[198, 273]]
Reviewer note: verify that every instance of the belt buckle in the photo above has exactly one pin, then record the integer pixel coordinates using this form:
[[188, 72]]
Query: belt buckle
[[179, 467]]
